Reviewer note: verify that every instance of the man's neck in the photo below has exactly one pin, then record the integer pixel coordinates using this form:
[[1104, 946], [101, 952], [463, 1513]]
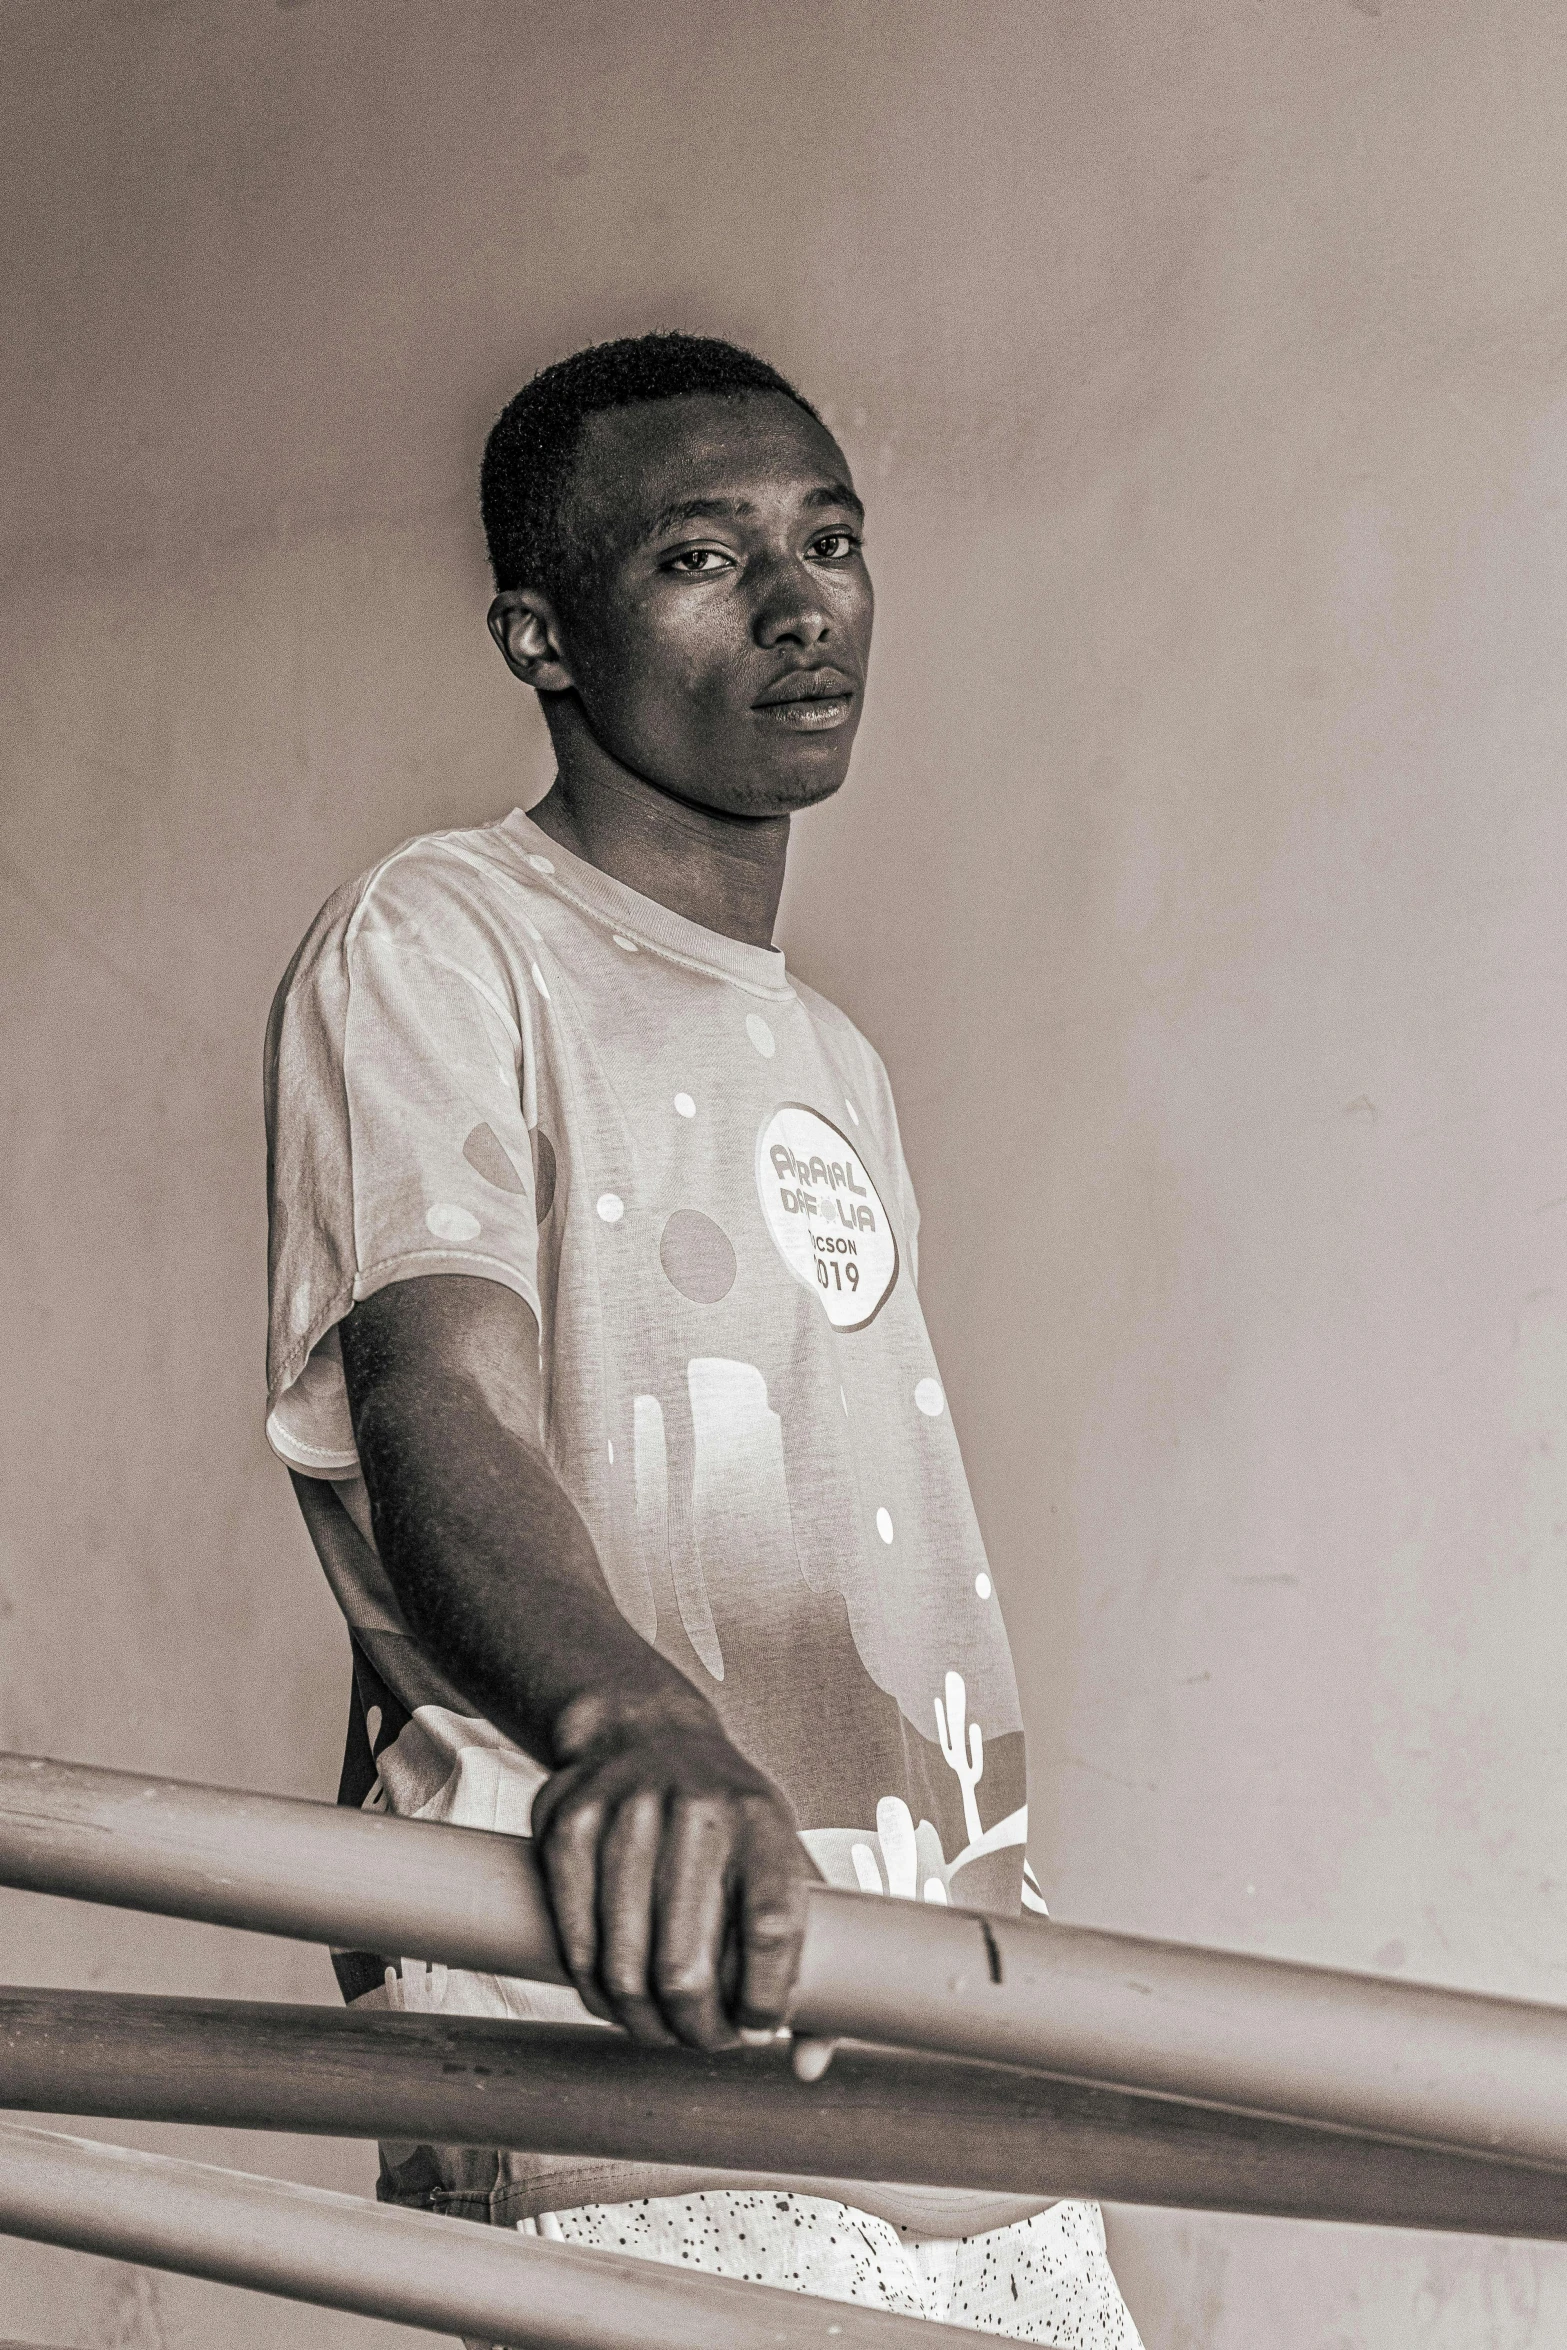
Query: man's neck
[[724, 872]]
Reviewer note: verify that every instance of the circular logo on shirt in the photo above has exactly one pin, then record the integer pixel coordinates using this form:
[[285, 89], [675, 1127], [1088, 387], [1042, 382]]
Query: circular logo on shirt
[[825, 1215]]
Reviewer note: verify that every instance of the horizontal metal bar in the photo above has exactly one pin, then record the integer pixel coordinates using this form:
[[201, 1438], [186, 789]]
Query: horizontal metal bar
[[1354, 2051], [340, 2253], [276, 1865], [565, 2089]]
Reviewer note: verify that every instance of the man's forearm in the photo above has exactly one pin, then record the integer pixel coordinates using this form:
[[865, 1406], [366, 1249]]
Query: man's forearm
[[675, 1874], [497, 1574]]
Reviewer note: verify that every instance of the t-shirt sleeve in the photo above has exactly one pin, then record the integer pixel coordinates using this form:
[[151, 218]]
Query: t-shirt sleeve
[[399, 1071]]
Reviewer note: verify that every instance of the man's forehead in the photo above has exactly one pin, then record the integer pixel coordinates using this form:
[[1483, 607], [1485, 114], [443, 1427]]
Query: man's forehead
[[646, 467]]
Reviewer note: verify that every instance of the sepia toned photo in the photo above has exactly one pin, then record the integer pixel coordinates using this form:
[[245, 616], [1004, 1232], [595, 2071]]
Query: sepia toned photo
[[785, 1377]]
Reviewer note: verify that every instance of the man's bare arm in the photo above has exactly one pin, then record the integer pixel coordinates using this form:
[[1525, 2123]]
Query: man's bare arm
[[675, 1873]]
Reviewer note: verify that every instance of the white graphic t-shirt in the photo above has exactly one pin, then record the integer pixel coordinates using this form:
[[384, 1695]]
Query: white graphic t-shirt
[[490, 1058]]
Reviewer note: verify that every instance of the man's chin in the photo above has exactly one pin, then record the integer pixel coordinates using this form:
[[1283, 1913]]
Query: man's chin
[[782, 787], [757, 802], [811, 794]]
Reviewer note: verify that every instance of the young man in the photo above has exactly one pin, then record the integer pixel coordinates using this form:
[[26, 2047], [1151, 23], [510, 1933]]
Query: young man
[[595, 1345]]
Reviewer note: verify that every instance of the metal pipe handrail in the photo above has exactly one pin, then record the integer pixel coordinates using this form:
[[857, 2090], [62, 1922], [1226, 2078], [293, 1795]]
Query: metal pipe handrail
[[338, 2252], [1261, 2035], [570, 2089]]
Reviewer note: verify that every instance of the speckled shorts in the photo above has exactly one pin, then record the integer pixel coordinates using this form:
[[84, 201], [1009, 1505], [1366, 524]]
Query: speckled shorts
[[1046, 2279]]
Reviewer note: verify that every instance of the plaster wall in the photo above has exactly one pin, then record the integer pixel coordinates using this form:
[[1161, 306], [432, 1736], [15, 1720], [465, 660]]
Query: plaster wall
[[1205, 368]]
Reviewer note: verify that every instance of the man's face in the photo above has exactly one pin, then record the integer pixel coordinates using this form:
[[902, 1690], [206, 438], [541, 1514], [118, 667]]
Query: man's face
[[719, 646]]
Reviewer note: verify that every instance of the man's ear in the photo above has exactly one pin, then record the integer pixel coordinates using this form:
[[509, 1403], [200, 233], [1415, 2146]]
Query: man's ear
[[524, 626]]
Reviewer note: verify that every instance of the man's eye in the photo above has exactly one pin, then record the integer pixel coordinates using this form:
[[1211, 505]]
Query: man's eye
[[835, 546], [698, 562]]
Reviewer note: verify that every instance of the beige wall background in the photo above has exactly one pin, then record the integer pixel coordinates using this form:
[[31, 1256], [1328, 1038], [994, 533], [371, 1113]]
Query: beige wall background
[[1205, 366]]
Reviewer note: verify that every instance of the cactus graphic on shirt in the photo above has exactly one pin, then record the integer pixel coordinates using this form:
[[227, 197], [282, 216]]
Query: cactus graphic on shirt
[[907, 1853], [867, 1874], [899, 1854], [970, 1768], [895, 1833]]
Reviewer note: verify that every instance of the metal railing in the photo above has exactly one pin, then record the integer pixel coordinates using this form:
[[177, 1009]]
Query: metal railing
[[1031, 2058], [1255, 2034], [878, 2114], [340, 2252]]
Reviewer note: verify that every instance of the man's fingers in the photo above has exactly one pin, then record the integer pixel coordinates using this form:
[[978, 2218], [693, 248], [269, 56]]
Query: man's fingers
[[569, 1854], [693, 1908], [772, 1927], [678, 1890], [627, 1869]]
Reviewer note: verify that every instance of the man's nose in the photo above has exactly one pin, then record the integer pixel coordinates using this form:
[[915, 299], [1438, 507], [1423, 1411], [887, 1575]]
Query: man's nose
[[790, 608]]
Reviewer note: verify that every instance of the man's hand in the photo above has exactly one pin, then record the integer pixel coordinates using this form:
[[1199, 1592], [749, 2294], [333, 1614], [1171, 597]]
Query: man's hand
[[675, 1874]]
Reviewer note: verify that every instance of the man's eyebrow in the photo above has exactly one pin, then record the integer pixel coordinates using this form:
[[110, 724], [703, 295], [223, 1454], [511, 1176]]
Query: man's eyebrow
[[699, 510], [836, 493]]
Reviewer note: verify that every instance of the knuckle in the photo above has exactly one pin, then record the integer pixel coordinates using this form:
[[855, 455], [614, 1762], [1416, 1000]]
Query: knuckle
[[771, 1909], [774, 1948], [642, 1806], [708, 1803], [579, 1822], [569, 1840], [684, 1980]]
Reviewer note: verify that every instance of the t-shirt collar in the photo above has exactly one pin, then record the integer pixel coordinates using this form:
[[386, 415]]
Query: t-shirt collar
[[643, 919]]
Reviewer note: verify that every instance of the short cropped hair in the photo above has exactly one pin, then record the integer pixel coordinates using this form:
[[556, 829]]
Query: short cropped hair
[[529, 457]]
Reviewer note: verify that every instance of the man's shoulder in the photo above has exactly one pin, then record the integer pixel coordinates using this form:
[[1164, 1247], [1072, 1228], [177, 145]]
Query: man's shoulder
[[452, 882], [832, 1020], [457, 897], [464, 872]]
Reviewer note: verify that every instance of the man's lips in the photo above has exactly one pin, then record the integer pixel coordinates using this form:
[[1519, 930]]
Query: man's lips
[[807, 700], [806, 685]]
